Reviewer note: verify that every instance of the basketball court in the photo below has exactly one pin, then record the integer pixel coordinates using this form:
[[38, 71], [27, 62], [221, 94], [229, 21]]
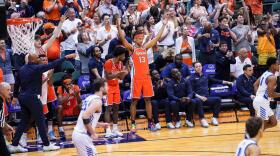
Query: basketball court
[[198, 141]]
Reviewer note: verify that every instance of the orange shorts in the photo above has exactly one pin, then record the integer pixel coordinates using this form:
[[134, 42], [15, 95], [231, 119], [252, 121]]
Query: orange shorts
[[142, 87], [71, 111], [113, 95]]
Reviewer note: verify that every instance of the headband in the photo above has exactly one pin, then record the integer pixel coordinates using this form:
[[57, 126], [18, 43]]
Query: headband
[[139, 35]]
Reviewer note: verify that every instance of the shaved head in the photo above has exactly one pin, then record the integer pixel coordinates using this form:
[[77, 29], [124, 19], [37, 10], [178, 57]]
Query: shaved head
[[34, 58]]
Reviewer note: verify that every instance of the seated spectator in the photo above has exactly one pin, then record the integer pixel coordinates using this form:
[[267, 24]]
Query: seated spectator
[[6, 64], [160, 98], [69, 102], [245, 88], [185, 45], [224, 58], [242, 59], [95, 64], [25, 9], [52, 10], [179, 93], [209, 40], [84, 43], [200, 86], [178, 63]]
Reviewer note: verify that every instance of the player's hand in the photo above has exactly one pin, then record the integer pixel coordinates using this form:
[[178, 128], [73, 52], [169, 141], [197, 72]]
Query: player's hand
[[70, 56], [8, 130], [14, 101], [94, 136], [203, 98]]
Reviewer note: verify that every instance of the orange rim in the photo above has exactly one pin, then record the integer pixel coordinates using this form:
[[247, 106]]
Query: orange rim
[[18, 21]]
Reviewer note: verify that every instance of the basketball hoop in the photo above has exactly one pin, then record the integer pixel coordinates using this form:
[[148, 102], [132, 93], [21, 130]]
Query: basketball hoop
[[22, 32]]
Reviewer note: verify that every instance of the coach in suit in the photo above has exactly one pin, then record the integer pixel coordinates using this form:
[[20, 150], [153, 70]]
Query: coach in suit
[[30, 81]]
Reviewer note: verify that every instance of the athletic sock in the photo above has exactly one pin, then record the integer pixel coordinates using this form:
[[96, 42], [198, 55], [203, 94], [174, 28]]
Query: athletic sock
[[50, 126], [60, 129], [108, 130], [115, 127]]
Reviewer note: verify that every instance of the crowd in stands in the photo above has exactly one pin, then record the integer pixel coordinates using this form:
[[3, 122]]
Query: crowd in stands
[[234, 37]]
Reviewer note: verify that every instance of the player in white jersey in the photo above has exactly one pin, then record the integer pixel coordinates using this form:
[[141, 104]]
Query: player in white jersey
[[264, 88], [249, 146], [84, 132]]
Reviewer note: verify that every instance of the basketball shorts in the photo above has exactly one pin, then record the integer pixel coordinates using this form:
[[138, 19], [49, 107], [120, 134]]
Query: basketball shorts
[[262, 108], [142, 87], [113, 98], [71, 111], [83, 143]]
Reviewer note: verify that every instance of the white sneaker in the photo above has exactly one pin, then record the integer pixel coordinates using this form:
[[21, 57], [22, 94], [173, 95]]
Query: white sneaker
[[16, 149], [204, 123], [51, 147], [158, 126], [23, 140], [215, 121], [189, 124], [178, 124], [170, 125], [109, 135], [117, 133]]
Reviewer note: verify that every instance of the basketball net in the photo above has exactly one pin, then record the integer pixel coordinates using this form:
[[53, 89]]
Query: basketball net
[[22, 33]]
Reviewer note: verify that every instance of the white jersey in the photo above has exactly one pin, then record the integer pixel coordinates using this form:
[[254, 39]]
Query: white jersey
[[262, 89], [80, 127], [241, 149]]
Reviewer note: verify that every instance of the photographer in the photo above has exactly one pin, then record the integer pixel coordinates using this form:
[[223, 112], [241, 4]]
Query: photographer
[[69, 101], [224, 58]]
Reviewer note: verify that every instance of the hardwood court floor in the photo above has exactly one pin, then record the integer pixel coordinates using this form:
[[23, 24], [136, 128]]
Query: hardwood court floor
[[214, 141]]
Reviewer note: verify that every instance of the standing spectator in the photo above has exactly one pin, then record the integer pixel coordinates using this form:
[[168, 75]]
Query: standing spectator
[[209, 40], [191, 28], [180, 93], [225, 33], [70, 32], [257, 9], [131, 11], [241, 60], [114, 71], [276, 24], [5, 129], [200, 86], [185, 45], [224, 58], [245, 88], [108, 8], [52, 10], [69, 102], [30, 77], [160, 98], [106, 33], [266, 44], [146, 4], [5, 64], [179, 65], [95, 64], [25, 9], [166, 40], [95, 27], [198, 11], [243, 35], [84, 43]]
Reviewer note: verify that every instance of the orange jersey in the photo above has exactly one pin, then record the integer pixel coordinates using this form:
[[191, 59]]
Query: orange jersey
[[140, 65], [111, 67]]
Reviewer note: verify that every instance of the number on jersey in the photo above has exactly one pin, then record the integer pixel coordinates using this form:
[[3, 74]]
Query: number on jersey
[[142, 59]]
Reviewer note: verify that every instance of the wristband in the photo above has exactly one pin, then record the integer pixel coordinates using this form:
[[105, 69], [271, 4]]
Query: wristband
[[86, 121]]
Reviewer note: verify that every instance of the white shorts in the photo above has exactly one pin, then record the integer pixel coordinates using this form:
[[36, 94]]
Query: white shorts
[[262, 108], [83, 144]]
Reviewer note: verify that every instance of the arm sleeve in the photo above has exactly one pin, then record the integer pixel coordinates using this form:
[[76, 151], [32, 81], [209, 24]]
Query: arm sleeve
[[240, 87], [45, 67], [170, 92]]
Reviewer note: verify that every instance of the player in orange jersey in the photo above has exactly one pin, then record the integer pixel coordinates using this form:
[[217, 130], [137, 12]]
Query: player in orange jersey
[[114, 71], [141, 83]]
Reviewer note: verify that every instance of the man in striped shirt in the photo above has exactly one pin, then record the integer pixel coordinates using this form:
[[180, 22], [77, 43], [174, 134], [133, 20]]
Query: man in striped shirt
[[5, 90]]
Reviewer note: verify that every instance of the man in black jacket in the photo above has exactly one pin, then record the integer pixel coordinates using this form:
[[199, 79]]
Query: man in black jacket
[[223, 60], [180, 95], [245, 88]]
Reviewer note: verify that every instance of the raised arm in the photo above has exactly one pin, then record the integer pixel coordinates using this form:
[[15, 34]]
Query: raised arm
[[122, 37], [153, 42], [55, 34]]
